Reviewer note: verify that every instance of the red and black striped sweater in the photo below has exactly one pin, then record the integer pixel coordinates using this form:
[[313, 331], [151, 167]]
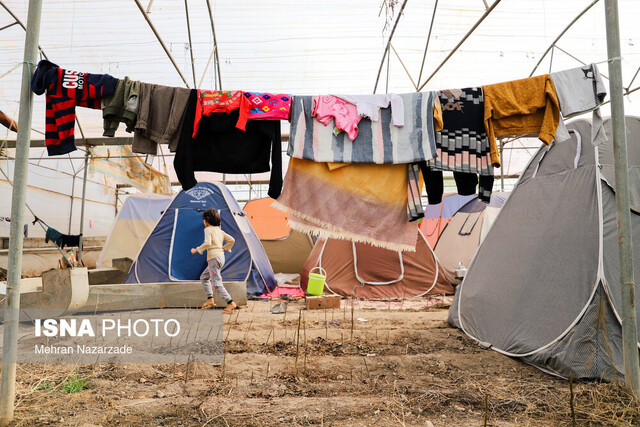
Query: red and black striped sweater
[[66, 90]]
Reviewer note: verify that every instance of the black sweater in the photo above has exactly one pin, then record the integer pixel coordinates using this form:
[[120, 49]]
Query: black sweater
[[220, 147]]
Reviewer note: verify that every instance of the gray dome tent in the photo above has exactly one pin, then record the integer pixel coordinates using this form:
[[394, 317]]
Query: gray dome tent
[[544, 285]]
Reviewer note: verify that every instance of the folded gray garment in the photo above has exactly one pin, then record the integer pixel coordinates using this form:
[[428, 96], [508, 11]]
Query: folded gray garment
[[580, 90], [160, 117]]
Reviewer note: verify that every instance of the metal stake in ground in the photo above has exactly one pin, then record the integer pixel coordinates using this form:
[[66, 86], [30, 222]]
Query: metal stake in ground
[[304, 325], [298, 343]]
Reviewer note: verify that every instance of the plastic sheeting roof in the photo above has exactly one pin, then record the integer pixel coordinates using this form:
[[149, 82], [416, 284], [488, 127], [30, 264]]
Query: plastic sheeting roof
[[315, 47]]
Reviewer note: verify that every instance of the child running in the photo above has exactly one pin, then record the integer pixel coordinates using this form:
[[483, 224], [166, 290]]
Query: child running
[[214, 238]]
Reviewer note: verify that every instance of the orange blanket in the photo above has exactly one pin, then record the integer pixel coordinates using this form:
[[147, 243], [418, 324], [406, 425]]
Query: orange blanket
[[359, 202]]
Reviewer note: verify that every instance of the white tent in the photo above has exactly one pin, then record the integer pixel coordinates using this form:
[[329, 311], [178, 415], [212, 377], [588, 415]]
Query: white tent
[[135, 221], [463, 235]]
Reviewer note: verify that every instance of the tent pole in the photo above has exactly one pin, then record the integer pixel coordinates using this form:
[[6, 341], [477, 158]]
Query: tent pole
[[19, 22], [586, 9], [426, 47], [18, 202], [206, 68], [193, 67], [386, 49], [215, 47], [166, 50], [625, 246], [464, 38], [84, 199]]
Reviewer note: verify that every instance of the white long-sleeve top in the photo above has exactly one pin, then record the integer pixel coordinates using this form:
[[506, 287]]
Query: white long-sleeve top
[[369, 106], [214, 239]]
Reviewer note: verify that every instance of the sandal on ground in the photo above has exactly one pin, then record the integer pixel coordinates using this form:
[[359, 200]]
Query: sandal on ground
[[230, 307], [208, 304]]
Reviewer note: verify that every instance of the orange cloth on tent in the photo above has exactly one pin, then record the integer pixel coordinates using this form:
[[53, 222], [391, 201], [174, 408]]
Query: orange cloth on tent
[[521, 107]]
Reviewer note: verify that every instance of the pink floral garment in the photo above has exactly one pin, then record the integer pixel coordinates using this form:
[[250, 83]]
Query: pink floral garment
[[329, 107]]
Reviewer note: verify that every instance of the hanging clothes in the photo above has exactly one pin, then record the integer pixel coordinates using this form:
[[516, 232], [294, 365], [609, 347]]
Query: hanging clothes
[[61, 240], [127, 168], [221, 147], [437, 115], [359, 202], [221, 102], [462, 146], [415, 210], [520, 107], [160, 117], [5, 223], [580, 90], [121, 107], [66, 90], [328, 109], [377, 141], [369, 106], [269, 106], [466, 184]]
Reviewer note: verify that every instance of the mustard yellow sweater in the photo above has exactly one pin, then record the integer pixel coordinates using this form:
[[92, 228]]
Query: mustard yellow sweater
[[520, 107]]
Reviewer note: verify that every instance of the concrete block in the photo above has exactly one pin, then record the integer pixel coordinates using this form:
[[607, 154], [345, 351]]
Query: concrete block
[[142, 296], [27, 285], [104, 276], [122, 264], [62, 291]]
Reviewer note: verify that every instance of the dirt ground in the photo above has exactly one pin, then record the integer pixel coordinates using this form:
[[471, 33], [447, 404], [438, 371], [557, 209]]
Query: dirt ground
[[401, 365]]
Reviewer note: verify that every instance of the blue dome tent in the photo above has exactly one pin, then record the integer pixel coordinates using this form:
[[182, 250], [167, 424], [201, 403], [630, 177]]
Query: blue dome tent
[[166, 257]]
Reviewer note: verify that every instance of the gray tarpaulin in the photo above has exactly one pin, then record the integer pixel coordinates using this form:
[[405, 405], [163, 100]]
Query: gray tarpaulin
[[535, 289]]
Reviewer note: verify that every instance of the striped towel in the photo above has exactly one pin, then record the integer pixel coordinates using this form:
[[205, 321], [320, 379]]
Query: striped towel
[[415, 210], [377, 141], [362, 203]]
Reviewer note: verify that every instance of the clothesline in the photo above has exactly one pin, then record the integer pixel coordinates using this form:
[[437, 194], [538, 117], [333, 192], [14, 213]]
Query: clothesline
[[215, 131], [34, 215]]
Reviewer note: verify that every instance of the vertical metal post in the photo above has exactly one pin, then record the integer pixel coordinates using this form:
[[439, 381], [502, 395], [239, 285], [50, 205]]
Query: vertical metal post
[[18, 203], [501, 166], [625, 246], [84, 198], [73, 193]]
